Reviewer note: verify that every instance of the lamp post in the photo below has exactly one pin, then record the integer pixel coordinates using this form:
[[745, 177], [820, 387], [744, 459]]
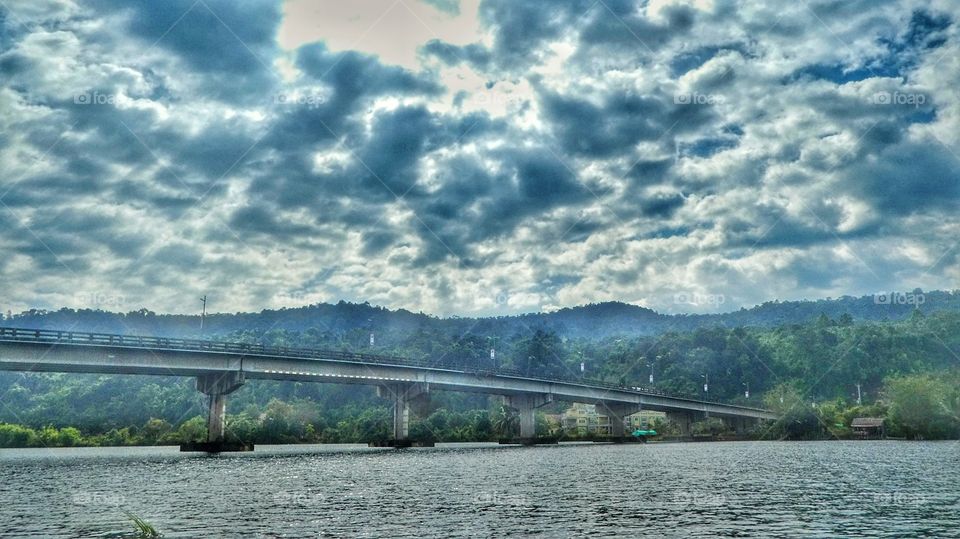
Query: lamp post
[[746, 391], [651, 371], [203, 313], [493, 352], [706, 382]]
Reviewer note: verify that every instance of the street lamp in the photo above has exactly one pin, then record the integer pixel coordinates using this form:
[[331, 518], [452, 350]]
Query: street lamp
[[493, 351], [651, 371], [706, 382], [746, 392]]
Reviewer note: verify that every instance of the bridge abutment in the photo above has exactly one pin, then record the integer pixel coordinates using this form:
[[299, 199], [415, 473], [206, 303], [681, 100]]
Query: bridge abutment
[[217, 386]]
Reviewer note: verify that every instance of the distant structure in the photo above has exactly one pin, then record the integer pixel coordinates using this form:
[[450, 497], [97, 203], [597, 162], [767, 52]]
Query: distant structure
[[585, 419], [868, 427]]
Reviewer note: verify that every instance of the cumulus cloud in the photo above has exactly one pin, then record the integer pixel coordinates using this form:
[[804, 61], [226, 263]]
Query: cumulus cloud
[[501, 157]]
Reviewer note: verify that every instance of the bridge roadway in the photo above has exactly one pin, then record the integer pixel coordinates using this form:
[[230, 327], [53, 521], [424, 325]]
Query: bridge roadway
[[221, 368]]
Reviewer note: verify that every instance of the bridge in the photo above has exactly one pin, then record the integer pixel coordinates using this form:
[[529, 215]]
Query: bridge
[[222, 367]]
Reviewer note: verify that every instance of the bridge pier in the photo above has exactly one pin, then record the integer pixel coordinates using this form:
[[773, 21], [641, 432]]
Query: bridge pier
[[526, 406], [617, 412], [741, 425], [405, 396], [217, 386], [682, 420]]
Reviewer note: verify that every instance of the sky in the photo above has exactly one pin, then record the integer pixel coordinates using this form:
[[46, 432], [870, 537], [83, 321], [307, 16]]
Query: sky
[[480, 157]]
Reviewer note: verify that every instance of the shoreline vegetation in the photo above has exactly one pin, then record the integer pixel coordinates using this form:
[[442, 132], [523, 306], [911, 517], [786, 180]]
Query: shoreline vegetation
[[907, 372], [914, 407]]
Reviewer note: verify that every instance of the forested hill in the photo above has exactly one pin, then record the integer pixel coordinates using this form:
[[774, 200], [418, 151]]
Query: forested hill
[[589, 321]]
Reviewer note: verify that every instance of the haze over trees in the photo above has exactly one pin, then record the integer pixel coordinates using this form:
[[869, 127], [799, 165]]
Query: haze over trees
[[808, 368]]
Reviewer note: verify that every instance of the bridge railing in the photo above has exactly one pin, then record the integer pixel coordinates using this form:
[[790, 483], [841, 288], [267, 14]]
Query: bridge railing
[[196, 345]]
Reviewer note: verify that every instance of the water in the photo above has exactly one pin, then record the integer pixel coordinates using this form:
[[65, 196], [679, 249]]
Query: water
[[771, 489]]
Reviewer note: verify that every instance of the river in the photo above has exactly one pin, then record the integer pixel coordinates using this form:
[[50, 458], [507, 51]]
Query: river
[[730, 489]]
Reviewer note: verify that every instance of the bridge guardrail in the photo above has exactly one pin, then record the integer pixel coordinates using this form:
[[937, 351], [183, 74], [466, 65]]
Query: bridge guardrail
[[196, 345]]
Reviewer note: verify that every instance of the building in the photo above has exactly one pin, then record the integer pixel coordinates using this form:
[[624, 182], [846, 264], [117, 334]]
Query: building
[[583, 419], [868, 427]]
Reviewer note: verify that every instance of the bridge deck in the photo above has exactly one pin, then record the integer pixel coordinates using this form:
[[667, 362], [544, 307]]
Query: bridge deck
[[68, 351]]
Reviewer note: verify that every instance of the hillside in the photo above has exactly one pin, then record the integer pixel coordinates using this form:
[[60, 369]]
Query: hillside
[[588, 321]]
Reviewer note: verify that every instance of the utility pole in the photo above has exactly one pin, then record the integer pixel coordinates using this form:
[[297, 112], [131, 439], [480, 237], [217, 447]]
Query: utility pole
[[859, 396], [203, 313]]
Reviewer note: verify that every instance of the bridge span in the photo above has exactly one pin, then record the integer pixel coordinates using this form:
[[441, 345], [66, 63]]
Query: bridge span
[[221, 367]]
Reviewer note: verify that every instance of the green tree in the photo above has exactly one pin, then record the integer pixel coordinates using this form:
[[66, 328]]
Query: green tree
[[920, 407], [193, 430], [506, 422]]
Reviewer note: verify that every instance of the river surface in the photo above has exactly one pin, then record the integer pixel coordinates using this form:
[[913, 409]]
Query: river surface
[[733, 489]]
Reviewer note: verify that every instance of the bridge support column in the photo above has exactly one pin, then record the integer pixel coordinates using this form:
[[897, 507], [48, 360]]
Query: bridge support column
[[526, 406], [617, 412], [741, 425], [217, 386], [405, 396], [682, 420]]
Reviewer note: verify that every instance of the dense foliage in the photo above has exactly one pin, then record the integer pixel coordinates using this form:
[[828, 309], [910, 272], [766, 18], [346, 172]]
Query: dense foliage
[[588, 321], [906, 371]]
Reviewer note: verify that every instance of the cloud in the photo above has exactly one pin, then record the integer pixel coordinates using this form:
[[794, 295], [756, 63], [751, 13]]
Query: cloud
[[558, 154]]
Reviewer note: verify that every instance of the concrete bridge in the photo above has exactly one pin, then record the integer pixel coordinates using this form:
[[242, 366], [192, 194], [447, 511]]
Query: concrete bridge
[[220, 368]]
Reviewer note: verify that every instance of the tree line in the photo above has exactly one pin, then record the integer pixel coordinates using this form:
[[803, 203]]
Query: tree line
[[906, 371]]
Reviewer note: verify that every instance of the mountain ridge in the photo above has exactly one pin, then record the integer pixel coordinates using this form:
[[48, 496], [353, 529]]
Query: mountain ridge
[[595, 320]]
